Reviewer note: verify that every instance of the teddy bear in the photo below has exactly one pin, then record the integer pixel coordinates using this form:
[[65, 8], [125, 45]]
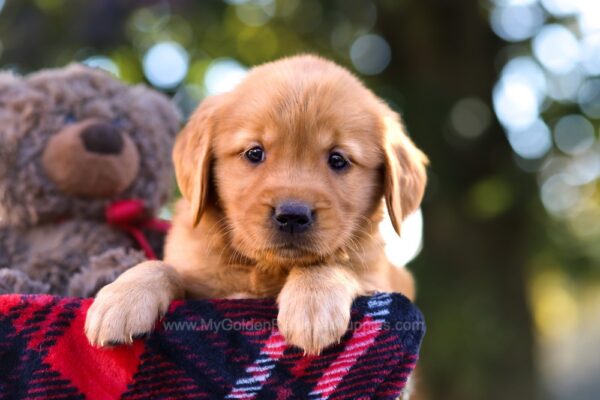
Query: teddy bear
[[85, 162]]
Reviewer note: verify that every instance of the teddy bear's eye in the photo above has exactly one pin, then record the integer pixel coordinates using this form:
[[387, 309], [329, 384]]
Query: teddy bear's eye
[[70, 118], [118, 122]]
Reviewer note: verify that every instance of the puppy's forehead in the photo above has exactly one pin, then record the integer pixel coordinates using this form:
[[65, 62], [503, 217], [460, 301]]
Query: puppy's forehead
[[320, 138], [305, 106]]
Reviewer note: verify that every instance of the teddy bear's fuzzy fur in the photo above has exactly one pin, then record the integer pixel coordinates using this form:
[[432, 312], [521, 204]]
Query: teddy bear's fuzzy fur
[[53, 237]]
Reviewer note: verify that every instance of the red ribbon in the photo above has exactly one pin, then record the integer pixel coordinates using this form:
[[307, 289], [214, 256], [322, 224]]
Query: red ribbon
[[132, 217]]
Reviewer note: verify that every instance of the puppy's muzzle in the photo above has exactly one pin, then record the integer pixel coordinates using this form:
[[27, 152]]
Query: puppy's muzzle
[[293, 217]]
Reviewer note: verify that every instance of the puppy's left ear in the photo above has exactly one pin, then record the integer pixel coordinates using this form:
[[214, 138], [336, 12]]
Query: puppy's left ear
[[405, 174], [192, 156]]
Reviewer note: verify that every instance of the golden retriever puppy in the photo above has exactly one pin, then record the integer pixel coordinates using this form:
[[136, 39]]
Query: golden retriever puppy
[[283, 180]]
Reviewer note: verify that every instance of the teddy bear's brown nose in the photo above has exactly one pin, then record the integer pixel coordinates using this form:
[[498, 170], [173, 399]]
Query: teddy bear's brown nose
[[102, 138]]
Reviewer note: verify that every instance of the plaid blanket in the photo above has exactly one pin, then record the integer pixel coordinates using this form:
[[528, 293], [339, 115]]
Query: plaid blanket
[[204, 349]]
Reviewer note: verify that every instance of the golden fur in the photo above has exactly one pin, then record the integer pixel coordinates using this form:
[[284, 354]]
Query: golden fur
[[223, 244]]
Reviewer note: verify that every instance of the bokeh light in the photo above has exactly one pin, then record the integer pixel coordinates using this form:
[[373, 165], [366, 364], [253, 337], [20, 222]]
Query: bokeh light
[[516, 102], [558, 195], [532, 142], [152, 19], [255, 12], [560, 8], [363, 15], [554, 306], [564, 87], [517, 22], [583, 169], [104, 63], [588, 16], [490, 197], [342, 35], [557, 48], [50, 6], [589, 98], [370, 54], [223, 75], [287, 8], [519, 94], [470, 117], [574, 134], [308, 16], [590, 52], [525, 69], [166, 64], [513, 2]]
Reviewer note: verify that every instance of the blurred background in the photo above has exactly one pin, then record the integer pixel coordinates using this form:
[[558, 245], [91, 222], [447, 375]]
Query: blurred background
[[504, 97]]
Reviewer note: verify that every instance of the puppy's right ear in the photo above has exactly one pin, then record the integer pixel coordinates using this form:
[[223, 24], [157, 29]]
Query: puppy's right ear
[[192, 156], [405, 175]]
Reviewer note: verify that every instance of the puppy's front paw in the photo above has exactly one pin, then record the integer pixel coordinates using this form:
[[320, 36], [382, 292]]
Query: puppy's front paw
[[313, 320], [122, 311]]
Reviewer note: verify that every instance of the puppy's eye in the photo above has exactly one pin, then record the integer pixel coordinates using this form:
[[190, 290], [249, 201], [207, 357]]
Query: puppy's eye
[[337, 161], [255, 155], [70, 118]]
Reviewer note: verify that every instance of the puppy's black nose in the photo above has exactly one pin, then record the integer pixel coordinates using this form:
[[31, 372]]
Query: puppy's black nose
[[102, 138], [293, 217]]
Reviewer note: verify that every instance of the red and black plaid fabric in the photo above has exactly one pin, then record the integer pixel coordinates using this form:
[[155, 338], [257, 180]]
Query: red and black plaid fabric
[[219, 349]]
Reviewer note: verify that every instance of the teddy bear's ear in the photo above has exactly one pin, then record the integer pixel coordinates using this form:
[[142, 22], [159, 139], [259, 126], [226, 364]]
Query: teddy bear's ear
[[12, 87], [157, 120], [18, 117], [16, 97], [18, 105], [157, 108]]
